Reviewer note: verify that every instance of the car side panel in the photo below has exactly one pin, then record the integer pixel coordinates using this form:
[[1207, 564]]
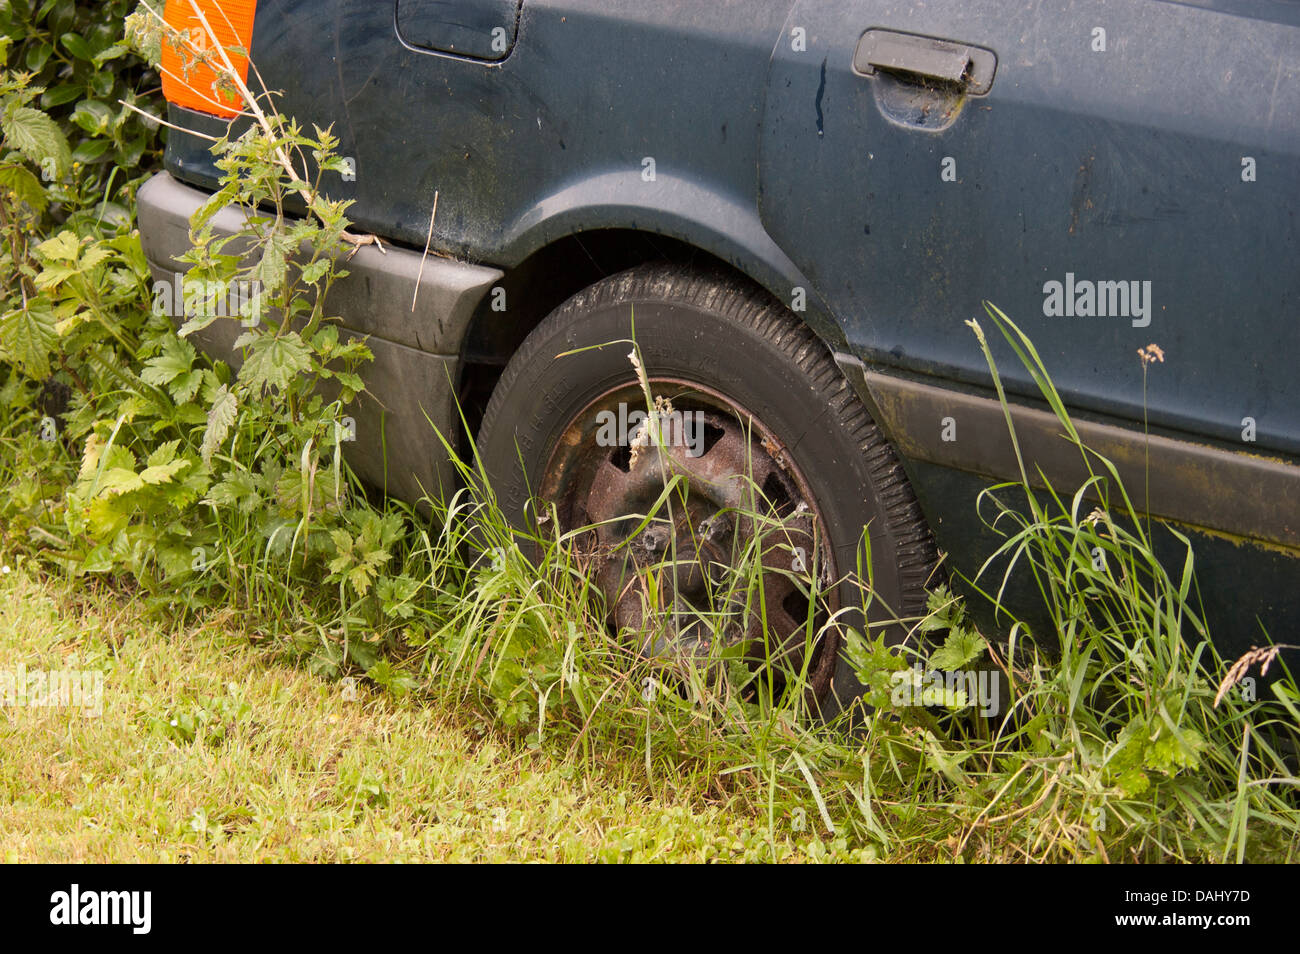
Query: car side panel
[[1128, 163]]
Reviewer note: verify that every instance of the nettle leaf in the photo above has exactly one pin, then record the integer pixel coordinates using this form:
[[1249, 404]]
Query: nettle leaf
[[36, 136], [221, 418], [274, 360], [271, 269], [29, 336], [218, 201], [316, 270]]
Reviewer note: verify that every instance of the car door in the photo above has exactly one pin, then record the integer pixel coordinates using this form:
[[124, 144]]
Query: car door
[[1119, 174]]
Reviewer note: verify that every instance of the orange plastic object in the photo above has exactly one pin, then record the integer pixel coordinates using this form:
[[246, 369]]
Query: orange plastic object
[[232, 22]]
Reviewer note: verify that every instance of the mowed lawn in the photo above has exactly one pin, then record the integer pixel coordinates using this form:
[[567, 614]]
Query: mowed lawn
[[209, 749]]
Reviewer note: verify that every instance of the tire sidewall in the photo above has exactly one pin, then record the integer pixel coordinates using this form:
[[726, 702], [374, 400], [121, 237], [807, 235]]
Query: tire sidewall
[[700, 345]]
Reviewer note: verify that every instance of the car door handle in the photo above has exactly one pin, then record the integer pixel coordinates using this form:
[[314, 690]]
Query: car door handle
[[970, 67]]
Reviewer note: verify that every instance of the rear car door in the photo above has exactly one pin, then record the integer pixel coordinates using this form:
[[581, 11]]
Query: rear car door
[[1145, 150]]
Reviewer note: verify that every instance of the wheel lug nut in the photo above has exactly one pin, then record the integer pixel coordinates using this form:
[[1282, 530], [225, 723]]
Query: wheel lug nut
[[715, 527], [651, 540]]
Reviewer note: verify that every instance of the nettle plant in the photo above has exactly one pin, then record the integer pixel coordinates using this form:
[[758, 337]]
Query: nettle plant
[[262, 451], [188, 475], [260, 445]]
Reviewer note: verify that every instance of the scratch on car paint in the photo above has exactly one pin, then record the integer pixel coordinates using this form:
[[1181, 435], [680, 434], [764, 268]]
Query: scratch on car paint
[[821, 91], [1080, 201]]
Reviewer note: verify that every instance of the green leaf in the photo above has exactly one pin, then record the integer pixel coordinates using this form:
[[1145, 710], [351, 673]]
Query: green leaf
[[942, 762], [92, 116], [271, 269], [1133, 783], [315, 271], [961, 647], [64, 247], [163, 454], [274, 360], [218, 201], [395, 595], [76, 45], [29, 337], [90, 150], [197, 323], [62, 94], [36, 136], [162, 473], [221, 418], [239, 489], [37, 55], [95, 255], [174, 369], [111, 53], [25, 186], [118, 480], [1170, 752], [98, 560], [395, 680]]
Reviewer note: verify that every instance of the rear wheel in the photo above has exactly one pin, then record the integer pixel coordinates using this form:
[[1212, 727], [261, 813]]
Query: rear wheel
[[775, 465]]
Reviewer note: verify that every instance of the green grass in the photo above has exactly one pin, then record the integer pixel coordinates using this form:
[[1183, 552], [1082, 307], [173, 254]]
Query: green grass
[[288, 769], [499, 719]]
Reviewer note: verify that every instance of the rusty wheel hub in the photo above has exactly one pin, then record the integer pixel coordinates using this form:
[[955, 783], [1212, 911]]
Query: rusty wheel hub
[[679, 571]]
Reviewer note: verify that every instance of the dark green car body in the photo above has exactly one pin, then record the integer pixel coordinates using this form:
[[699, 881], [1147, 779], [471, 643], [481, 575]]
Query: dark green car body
[[1109, 174]]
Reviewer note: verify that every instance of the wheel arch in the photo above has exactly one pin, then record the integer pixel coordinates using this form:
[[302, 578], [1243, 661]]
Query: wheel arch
[[574, 249]]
